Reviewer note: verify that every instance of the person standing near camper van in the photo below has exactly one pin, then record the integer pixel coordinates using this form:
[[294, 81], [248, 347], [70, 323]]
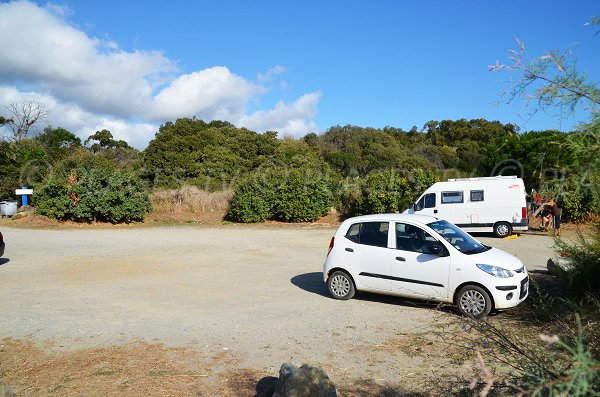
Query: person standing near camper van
[[555, 216], [546, 213]]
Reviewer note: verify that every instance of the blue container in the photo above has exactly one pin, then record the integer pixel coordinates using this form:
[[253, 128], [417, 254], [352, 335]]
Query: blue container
[[24, 198]]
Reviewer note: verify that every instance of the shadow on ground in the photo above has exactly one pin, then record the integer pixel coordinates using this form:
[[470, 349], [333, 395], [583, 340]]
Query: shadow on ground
[[313, 283]]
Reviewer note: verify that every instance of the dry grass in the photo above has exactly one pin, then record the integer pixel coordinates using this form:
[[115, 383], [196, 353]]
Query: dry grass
[[190, 199], [143, 370], [136, 370]]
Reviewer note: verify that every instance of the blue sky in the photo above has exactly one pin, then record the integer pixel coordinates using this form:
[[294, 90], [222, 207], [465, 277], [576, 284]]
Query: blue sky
[[367, 63]]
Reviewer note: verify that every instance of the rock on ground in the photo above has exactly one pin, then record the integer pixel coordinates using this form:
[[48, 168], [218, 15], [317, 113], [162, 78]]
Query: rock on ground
[[305, 381]]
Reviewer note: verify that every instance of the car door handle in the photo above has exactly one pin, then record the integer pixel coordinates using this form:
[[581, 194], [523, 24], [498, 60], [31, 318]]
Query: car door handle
[[349, 250], [401, 259]]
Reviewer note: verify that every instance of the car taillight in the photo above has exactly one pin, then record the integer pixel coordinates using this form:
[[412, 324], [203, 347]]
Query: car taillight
[[330, 245], [1, 238], [524, 213]]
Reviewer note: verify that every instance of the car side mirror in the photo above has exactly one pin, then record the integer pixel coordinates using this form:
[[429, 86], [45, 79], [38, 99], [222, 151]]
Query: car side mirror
[[436, 250]]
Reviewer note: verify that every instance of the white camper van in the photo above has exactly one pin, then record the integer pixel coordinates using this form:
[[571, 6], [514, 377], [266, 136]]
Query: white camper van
[[492, 204]]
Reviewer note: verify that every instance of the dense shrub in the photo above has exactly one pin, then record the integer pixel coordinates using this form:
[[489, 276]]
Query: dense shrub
[[207, 155], [21, 163], [383, 191], [253, 201], [582, 263], [290, 196], [302, 198], [90, 188]]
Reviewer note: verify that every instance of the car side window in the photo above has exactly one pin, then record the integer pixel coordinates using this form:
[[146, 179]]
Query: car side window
[[413, 238], [369, 233]]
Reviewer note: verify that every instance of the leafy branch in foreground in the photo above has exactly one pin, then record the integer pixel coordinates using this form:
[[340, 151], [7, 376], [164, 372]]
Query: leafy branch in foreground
[[551, 79]]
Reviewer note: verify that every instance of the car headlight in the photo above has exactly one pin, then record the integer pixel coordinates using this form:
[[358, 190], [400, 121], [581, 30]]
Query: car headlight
[[495, 270]]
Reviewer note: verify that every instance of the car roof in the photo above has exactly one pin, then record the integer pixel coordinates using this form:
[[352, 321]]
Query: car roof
[[392, 217]]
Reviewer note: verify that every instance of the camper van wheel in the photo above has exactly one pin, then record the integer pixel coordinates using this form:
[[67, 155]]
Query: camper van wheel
[[502, 229]]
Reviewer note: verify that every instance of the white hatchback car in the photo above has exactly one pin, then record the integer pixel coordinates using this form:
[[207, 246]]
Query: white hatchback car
[[423, 257]]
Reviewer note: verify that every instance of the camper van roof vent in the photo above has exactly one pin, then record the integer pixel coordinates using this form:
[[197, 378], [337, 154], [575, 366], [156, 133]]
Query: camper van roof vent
[[483, 178]]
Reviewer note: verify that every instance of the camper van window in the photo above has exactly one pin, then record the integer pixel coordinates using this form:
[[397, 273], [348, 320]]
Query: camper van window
[[476, 195], [419, 204], [452, 197], [430, 200]]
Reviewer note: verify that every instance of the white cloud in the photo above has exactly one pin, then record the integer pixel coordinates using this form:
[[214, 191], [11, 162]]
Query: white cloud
[[289, 119], [277, 69], [81, 122], [87, 82], [210, 93]]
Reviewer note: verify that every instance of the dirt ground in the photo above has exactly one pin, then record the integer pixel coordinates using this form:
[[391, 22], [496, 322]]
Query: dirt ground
[[205, 311]]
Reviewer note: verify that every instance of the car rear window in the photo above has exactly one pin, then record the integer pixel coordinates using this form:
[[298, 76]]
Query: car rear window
[[369, 233]]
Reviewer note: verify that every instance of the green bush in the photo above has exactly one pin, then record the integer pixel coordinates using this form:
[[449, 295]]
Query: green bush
[[253, 201], [582, 268], [289, 196], [302, 198], [383, 191], [90, 188], [573, 197]]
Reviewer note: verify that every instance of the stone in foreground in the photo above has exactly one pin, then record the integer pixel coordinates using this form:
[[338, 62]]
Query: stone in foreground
[[305, 381]]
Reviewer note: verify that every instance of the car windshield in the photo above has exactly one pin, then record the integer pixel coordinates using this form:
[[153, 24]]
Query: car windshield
[[459, 239]]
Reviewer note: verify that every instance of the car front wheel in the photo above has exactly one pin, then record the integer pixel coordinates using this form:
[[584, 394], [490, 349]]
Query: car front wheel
[[340, 285], [473, 301]]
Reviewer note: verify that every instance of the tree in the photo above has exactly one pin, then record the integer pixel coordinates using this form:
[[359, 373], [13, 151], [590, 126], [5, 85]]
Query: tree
[[104, 140], [4, 121], [554, 80], [551, 79], [58, 142], [207, 155], [24, 117]]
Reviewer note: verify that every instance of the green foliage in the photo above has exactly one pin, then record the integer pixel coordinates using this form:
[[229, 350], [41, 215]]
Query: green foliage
[[302, 197], [102, 140], [384, 191], [58, 142], [295, 195], [9, 171], [549, 80], [253, 200], [21, 163], [102, 144], [208, 155], [581, 268], [91, 188]]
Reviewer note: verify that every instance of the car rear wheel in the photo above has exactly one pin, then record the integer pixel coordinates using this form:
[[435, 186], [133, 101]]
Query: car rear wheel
[[340, 285], [502, 229], [473, 301]]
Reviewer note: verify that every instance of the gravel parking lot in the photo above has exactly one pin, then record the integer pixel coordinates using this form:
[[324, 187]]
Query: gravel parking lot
[[255, 293]]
